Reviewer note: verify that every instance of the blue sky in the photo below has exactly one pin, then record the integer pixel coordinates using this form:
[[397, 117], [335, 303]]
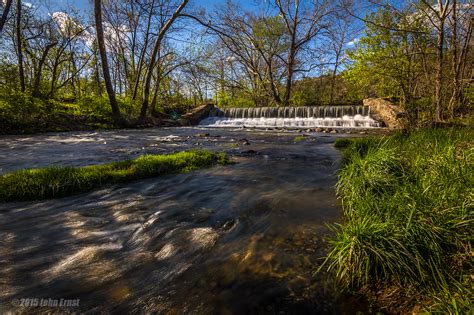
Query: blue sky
[[86, 5]]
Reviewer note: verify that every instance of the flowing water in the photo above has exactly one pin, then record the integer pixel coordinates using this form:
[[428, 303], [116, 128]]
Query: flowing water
[[292, 117], [225, 240]]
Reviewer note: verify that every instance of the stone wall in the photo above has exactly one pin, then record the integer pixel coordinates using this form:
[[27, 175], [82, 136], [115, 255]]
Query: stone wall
[[193, 117], [387, 112]]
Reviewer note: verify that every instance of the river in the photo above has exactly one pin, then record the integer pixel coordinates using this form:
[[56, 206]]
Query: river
[[242, 238]]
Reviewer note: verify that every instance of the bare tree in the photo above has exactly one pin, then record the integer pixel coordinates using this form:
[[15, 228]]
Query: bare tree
[[437, 15], [255, 44], [338, 34], [302, 25], [143, 51], [105, 67], [156, 48], [19, 39], [39, 69], [459, 50], [4, 17]]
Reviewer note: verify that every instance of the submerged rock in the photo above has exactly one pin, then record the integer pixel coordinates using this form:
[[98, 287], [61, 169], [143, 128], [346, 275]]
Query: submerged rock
[[202, 135], [249, 152], [203, 238], [244, 141]]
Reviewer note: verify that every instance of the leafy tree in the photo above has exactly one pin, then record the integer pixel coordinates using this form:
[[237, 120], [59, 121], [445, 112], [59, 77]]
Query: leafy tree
[[385, 62]]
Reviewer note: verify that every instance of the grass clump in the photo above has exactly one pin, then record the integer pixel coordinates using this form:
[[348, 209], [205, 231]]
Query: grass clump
[[408, 203], [300, 138], [342, 143], [53, 182]]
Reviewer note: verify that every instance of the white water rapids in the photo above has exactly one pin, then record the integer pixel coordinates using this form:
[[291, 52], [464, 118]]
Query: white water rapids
[[292, 117]]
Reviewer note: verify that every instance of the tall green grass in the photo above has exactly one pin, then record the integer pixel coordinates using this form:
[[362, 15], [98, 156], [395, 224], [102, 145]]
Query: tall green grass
[[53, 182], [408, 201]]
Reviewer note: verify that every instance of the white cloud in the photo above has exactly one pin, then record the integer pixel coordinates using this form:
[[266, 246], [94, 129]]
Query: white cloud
[[65, 22], [353, 42]]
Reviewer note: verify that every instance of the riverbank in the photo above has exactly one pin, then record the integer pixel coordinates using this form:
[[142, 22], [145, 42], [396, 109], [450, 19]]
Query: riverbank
[[407, 241], [22, 114]]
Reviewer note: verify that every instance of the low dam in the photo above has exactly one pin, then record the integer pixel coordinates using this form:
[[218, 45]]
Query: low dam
[[292, 117]]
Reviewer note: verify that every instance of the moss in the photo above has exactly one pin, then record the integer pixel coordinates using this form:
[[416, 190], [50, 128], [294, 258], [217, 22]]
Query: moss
[[53, 182]]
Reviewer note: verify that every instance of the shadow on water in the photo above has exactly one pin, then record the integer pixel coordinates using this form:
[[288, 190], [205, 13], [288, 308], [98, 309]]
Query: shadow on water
[[244, 238]]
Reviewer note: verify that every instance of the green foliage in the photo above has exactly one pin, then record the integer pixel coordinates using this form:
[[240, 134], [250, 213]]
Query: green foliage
[[408, 203], [384, 62], [270, 34], [19, 112], [317, 91], [299, 98], [19, 109], [225, 100], [93, 106], [99, 107], [54, 182]]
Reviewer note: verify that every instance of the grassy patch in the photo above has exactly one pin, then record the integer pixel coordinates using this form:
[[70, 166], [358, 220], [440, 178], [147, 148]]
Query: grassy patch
[[300, 138], [53, 182], [408, 202], [342, 143]]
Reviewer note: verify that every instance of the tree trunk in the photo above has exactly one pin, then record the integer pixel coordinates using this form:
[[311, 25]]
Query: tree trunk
[[333, 76], [39, 70], [105, 66], [157, 86], [19, 39], [290, 70], [142, 53], [155, 97], [54, 75], [96, 71], [273, 87], [4, 17], [456, 86], [156, 48], [439, 72]]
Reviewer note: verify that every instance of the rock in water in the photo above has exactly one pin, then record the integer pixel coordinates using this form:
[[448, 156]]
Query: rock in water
[[202, 135], [244, 141], [193, 117]]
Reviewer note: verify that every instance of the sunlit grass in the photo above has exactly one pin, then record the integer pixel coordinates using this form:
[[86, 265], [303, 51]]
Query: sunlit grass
[[408, 202], [300, 138], [53, 182]]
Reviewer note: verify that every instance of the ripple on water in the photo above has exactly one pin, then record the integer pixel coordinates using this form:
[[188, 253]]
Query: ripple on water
[[216, 237]]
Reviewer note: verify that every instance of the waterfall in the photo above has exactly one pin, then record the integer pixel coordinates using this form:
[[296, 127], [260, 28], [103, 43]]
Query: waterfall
[[304, 116]]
